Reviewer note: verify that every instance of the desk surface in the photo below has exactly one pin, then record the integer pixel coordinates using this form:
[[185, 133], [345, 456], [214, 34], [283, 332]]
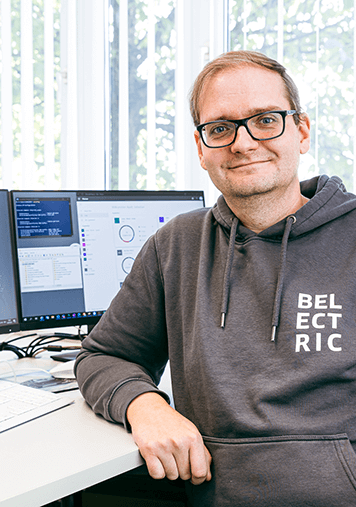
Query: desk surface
[[61, 453]]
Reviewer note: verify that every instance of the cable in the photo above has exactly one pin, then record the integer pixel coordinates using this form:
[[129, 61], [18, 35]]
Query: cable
[[39, 344], [12, 348], [22, 337]]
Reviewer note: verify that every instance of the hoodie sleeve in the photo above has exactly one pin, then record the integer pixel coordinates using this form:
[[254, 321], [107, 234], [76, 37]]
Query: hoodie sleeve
[[126, 353]]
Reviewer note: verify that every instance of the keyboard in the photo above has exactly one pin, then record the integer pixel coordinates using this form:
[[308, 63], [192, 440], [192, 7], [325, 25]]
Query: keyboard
[[20, 404]]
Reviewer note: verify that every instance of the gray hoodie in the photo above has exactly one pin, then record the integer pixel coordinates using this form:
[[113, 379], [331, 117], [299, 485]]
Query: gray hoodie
[[261, 335]]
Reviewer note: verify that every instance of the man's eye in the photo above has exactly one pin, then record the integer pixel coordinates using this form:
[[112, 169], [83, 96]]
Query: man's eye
[[219, 129], [267, 121]]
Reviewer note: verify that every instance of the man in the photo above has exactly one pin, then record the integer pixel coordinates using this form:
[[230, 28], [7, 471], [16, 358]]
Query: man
[[252, 301]]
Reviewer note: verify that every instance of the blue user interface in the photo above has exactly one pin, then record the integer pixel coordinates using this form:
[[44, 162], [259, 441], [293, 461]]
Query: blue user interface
[[43, 217]]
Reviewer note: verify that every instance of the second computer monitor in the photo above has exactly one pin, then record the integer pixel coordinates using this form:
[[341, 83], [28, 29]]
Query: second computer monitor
[[75, 248], [9, 320]]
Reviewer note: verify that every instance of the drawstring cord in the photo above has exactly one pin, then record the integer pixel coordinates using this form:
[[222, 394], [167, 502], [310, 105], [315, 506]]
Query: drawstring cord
[[228, 267], [283, 260]]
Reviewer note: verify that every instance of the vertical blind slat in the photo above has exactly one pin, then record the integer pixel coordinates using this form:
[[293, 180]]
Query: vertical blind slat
[[6, 96], [72, 103], [317, 31], [27, 115], [124, 162], [179, 83], [354, 118], [151, 98], [49, 157], [244, 14], [280, 49]]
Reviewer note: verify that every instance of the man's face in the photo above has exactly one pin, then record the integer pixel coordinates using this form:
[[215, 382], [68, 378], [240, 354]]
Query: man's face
[[250, 167]]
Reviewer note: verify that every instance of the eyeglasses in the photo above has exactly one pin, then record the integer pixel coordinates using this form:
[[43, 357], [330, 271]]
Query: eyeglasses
[[261, 127]]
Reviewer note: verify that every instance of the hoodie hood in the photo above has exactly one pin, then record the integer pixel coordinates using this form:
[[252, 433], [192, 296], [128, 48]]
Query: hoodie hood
[[328, 200]]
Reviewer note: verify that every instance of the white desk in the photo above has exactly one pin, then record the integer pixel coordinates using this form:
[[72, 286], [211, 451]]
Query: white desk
[[61, 453]]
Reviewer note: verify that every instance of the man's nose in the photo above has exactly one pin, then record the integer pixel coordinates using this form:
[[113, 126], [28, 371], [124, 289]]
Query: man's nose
[[243, 141]]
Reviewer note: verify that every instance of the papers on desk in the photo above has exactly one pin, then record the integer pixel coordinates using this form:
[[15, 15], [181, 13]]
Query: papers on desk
[[54, 385], [37, 378]]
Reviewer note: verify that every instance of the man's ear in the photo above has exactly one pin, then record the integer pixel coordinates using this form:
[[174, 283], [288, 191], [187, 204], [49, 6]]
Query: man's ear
[[199, 147], [304, 131]]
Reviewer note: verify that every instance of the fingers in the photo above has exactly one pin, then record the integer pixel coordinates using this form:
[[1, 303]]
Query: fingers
[[170, 444], [190, 462], [200, 461], [161, 463]]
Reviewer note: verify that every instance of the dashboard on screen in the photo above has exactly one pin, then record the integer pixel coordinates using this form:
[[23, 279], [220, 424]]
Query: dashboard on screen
[[75, 248]]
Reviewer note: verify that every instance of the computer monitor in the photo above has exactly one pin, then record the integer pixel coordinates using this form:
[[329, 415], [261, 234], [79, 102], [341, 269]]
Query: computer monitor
[[9, 319], [75, 248]]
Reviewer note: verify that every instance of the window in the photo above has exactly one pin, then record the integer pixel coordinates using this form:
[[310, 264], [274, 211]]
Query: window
[[142, 39], [314, 39], [52, 94], [30, 102], [94, 92]]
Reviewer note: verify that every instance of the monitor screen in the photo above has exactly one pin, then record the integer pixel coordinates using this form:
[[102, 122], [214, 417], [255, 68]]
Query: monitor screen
[[9, 320], [75, 248]]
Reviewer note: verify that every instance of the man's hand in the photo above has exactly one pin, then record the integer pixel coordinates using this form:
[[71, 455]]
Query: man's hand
[[170, 444]]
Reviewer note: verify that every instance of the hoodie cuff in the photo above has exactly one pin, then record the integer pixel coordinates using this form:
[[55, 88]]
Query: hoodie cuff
[[125, 394]]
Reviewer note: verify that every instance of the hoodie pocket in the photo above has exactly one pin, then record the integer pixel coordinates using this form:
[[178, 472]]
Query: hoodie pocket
[[288, 471]]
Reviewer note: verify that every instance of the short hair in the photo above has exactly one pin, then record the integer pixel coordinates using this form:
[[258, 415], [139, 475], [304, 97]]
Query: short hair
[[237, 59]]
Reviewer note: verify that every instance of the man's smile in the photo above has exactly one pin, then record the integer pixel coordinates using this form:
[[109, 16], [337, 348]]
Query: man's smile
[[242, 165]]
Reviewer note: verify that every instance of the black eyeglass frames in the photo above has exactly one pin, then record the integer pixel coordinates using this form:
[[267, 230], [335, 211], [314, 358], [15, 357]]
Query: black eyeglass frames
[[261, 127]]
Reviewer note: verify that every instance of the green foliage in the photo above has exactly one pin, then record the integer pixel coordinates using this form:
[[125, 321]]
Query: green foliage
[[38, 88], [318, 49], [318, 52], [165, 93]]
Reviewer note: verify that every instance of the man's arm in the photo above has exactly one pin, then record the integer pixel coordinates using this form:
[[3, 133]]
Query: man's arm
[[126, 352], [170, 444]]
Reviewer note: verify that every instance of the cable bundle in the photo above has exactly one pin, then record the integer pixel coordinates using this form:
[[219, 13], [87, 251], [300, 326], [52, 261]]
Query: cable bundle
[[41, 344]]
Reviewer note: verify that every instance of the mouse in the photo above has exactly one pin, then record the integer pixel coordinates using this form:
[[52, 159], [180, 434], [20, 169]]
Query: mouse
[[63, 370]]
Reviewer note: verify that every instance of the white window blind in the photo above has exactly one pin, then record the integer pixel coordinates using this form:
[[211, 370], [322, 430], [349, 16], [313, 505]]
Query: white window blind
[[52, 94], [142, 48], [30, 113], [52, 85], [154, 56], [314, 39], [6, 96]]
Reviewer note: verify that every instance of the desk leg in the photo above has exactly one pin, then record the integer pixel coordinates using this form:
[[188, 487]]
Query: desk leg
[[74, 500]]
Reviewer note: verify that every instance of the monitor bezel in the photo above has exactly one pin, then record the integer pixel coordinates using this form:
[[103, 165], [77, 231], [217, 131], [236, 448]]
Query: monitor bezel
[[12, 327], [89, 321]]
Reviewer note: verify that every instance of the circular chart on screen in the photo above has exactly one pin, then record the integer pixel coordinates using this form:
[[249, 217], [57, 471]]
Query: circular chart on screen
[[127, 264], [126, 233]]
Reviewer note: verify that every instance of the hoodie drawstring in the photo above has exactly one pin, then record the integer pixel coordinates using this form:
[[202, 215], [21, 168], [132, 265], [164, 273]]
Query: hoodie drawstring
[[226, 284], [283, 260]]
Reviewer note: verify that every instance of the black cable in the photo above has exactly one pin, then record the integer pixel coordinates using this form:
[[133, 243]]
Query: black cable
[[59, 348], [12, 348], [21, 337], [41, 343]]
